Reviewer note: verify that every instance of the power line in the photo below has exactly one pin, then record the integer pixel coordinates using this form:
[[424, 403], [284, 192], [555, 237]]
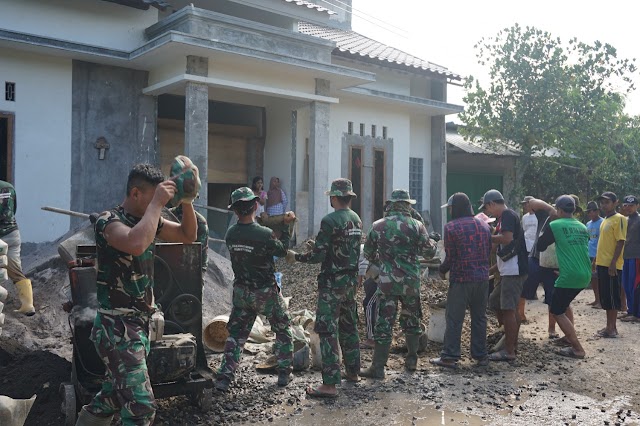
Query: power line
[[370, 21], [365, 14]]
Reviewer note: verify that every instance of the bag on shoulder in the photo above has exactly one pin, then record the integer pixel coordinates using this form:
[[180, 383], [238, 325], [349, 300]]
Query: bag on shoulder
[[549, 258]]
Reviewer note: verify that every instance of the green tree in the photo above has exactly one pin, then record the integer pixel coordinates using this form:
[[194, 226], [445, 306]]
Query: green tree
[[551, 101]]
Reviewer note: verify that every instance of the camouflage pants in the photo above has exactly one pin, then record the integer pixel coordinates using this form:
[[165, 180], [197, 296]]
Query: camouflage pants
[[123, 345], [247, 304], [337, 319], [410, 316]]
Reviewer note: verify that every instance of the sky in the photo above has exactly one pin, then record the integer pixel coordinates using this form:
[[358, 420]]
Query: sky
[[445, 32]]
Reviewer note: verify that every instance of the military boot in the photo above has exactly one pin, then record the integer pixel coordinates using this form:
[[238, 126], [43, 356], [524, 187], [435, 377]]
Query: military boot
[[380, 356], [284, 377], [411, 360]]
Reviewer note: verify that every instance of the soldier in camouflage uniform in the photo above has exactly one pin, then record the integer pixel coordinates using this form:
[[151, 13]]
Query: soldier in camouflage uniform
[[394, 244], [125, 249], [252, 248], [202, 234], [337, 246]]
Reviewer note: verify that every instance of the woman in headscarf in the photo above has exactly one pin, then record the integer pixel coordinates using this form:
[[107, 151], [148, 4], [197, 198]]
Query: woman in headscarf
[[276, 198]]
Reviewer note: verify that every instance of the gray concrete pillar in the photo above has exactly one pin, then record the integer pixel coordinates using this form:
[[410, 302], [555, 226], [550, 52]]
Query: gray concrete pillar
[[438, 171], [196, 121], [319, 157]]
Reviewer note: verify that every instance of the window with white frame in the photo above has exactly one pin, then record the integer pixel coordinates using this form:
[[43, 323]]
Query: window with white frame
[[415, 181]]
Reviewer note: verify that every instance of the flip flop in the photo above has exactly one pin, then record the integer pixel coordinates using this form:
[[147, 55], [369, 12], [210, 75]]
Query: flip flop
[[315, 393], [569, 353], [561, 342], [630, 318], [553, 335], [596, 306], [441, 363], [606, 335], [501, 356]]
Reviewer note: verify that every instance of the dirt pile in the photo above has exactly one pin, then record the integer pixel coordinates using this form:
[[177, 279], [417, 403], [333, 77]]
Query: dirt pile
[[25, 373]]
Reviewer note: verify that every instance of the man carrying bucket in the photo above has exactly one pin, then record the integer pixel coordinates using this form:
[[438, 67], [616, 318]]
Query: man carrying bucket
[[255, 291]]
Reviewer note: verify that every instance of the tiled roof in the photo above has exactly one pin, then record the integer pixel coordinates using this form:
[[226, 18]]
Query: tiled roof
[[142, 4], [351, 43], [473, 147], [310, 5]]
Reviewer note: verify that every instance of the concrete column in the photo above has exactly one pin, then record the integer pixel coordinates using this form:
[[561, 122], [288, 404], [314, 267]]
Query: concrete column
[[294, 160], [438, 171], [196, 121], [319, 157]]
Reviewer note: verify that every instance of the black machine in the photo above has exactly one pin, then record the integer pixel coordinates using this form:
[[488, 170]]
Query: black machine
[[177, 364]]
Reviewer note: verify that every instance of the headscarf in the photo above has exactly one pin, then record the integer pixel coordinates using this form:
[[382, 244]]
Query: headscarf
[[274, 196], [460, 206]]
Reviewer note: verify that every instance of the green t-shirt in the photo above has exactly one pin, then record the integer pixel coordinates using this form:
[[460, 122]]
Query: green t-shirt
[[572, 249]]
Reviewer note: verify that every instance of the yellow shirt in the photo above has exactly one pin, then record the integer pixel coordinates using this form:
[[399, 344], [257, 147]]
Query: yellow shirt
[[612, 230]]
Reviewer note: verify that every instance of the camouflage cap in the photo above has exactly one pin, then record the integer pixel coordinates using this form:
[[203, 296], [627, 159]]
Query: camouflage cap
[[401, 195], [340, 188], [242, 194]]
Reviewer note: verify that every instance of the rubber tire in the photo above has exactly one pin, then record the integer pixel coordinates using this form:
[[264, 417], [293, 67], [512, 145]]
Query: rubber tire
[[69, 403], [196, 317]]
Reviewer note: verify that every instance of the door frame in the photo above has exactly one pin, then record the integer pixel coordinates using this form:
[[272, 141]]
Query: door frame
[[11, 118]]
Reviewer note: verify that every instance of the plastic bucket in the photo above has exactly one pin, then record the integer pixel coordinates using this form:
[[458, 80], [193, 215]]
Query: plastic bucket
[[215, 333], [437, 324]]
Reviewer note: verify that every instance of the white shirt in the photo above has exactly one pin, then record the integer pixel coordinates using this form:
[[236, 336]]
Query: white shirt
[[530, 227]]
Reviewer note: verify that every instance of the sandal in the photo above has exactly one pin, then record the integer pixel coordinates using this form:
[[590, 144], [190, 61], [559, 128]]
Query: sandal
[[561, 342], [553, 335], [501, 356], [316, 393], [604, 333], [630, 318], [569, 353], [443, 363]]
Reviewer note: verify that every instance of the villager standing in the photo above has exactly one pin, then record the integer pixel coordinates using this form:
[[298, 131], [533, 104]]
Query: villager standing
[[276, 198], [512, 264], [257, 186], [572, 241], [631, 255], [467, 243], [255, 291], [125, 252], [10, 234], [593, 226], [394, 244], [609, 261], [337, 246]]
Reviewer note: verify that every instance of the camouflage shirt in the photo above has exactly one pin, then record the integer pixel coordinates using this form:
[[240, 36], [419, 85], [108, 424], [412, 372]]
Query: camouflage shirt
[[125, 282], [394, 244], [252, 248], [202, 235], [337, 245], [8, 207]]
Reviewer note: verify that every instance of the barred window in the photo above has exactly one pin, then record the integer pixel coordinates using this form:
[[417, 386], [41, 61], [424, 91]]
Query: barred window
[[415, 181]]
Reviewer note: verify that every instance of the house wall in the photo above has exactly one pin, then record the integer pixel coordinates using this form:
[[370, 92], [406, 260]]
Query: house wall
[[95, 23], [42, 140], [108, 102], [277, 148]]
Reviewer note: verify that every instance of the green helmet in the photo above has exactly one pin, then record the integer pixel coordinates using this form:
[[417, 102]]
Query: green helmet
[[401, 195], [340, 188], [242, 194]]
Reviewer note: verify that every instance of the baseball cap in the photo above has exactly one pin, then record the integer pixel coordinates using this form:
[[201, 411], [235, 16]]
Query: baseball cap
[[491, 195], [401, 195], [630, 199], [526, 199], [566, 203], [242, 194], [340, 187], [592, 206], [609, 196], [448, 203]]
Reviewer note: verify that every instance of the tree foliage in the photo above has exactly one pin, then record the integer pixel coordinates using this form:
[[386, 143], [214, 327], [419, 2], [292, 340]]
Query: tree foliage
[[559, 104]]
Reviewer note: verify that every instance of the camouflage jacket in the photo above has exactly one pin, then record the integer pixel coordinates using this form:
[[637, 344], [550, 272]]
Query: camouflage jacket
[[8, 207], [394, 244], [125, 282], [202, 235], [252, 248], [337, 246]]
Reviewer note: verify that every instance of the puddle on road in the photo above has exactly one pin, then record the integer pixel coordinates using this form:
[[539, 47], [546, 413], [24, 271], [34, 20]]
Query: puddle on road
[[391, 409]]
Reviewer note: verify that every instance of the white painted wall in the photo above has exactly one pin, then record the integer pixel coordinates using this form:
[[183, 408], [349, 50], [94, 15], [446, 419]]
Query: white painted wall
[[42, 148], [421, 148], [92, 22], [277, 148], [359, 111]]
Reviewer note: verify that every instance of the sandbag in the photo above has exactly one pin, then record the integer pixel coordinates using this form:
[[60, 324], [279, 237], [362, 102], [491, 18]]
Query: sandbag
[[185, 175], [549, 258]]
